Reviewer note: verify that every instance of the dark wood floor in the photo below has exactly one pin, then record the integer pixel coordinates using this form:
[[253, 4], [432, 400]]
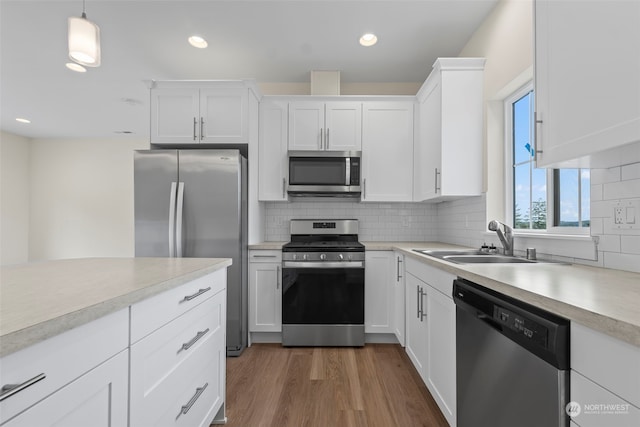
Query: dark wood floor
[[269, 385]]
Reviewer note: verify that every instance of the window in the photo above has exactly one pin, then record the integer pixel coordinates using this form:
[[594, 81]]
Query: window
[[540, 199]]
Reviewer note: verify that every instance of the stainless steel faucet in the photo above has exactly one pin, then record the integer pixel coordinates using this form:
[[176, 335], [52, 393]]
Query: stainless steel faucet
[[506, 238]]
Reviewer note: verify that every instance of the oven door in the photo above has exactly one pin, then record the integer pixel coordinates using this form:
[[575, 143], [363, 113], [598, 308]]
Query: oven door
[[323, 303]]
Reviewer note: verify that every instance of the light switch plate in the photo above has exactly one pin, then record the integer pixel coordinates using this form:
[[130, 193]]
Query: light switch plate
[[625, 214]]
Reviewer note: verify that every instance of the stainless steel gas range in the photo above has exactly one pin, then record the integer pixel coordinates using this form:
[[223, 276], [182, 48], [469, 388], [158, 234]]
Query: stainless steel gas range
[[323, 284]]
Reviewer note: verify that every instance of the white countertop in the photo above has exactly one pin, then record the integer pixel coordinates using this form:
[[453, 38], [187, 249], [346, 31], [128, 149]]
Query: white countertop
[[602, 299], [40, 300]]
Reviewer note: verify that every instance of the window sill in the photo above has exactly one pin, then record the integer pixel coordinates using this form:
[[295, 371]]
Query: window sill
[[581, 246]]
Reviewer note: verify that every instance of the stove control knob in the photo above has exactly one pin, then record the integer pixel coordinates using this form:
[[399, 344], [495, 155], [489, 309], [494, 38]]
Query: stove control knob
[[323, 257], [340, 257], [304, 257], [295, 257]]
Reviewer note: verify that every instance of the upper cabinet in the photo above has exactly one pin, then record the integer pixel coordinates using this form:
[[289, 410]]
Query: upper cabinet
[[317, 125], [448, 152], [587, 83], [199, 112], [387, 151], [272, 151]]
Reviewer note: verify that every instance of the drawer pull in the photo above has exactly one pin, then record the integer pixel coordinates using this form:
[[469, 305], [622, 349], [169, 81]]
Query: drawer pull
[[196, 295], [187, 345], [9, 390], [264, 256], [185, 408]]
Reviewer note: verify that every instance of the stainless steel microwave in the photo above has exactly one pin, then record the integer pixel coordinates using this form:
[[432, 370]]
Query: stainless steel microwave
[[324, 173]]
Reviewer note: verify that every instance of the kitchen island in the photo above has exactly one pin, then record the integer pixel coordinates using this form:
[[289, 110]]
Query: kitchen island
[[108, 328]]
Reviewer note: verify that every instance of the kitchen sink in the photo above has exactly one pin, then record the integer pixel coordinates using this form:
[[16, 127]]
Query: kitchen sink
[[475, 257]]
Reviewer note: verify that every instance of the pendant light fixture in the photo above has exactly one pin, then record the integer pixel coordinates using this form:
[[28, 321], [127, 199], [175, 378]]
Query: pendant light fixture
[[84, 40]]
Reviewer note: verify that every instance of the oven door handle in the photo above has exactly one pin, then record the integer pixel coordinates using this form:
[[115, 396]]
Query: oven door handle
[[323, 264]]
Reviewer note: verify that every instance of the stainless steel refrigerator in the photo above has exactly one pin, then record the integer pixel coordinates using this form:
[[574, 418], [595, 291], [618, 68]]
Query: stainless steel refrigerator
[[193, 203]]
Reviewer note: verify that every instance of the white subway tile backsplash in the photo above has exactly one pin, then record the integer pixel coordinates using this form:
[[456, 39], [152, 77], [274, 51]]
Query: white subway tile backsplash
[[622, 189], [601, 176], [630, 171], [630, 244]]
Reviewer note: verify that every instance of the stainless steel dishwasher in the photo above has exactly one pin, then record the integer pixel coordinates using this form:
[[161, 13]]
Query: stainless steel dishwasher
[[512, 365]]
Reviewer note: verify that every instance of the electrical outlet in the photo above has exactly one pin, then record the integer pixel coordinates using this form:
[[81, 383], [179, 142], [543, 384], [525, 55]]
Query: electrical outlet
[[618, 215]]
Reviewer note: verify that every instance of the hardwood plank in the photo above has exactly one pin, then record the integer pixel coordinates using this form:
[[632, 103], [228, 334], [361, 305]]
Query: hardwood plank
[[376, 385]]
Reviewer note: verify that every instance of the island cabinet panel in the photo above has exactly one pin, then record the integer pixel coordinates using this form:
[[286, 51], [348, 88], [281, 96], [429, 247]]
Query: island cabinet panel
[[58, 367], [177, 371]]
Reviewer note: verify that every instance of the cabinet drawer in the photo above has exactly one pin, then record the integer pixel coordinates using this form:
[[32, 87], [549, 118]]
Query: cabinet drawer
[[599, 407], [265, 256], [164, 372], [152, 313], [61, 359], [612, 363], [436, 278]]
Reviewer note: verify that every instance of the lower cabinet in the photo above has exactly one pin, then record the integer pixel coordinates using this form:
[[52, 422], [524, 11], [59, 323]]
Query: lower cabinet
[[98, 398], [265, 291], [605, 379], [431, 332]]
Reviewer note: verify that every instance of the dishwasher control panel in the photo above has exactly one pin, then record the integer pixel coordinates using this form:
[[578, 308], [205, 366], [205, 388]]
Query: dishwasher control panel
[[522, 325]]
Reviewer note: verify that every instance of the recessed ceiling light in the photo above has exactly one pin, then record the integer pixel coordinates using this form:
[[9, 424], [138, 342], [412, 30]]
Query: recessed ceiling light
[[21, 120], [197, 41], [76, 67], [368, 39]]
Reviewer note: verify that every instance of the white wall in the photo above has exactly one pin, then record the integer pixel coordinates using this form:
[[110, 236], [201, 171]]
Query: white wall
[[81, 201], [14, 202]]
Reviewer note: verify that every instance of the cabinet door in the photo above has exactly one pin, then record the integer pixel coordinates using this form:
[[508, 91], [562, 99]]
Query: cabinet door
[[378, 292], [175, 116], [387, 152], [441, 347], [399, 298], [272, 151], [343, 126], [306, 125], [265, 297], [416, 323], [98, 398], [428, 164], [586, 81], [224, 115]]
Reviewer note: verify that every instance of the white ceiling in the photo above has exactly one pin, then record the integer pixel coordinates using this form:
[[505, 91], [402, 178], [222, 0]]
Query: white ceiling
[[269, 41]]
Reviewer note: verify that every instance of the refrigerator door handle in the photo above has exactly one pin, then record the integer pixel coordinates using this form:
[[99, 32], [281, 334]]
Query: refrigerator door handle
[[172, 220], [179, 207]]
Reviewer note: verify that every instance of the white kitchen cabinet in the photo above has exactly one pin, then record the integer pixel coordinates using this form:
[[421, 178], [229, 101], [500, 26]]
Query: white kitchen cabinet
[[199, 112], [265, 291], [431, 332], [416, 324], [178, 355], [379, 292], [387, 151], [80, 377], [98, 398], [317, 125], [399, 298], [448, 154], [587, 84], [272, 151], [604, 370]]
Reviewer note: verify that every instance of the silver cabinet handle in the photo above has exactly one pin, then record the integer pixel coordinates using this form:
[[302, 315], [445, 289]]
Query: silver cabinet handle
[[9, 390], [364, 188], [284, 185], [278, 277], [263, 256], [187, 407], [172, 220], [398, 276], [418, 299], [422, 312], [536, 136], [196, 295], [327, 139], [179, 206], [201, 128], [195, 123], [321, 143], [436, 180], [192, 341]]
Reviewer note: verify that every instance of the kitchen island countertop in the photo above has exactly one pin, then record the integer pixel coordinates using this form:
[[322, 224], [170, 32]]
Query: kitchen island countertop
[[42, 299]]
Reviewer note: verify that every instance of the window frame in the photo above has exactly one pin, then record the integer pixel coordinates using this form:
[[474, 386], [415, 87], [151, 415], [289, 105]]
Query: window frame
[[551, 182]]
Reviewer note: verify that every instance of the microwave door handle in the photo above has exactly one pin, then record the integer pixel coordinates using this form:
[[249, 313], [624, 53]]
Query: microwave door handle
[[347, 178]]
